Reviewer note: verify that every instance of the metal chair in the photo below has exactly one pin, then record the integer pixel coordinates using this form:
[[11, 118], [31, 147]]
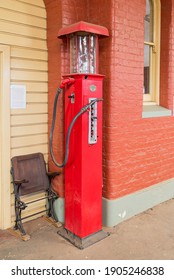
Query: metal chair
[[29, 175]]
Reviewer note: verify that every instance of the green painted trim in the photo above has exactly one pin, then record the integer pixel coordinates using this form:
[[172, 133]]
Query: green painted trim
[[152, 111], [59, 209], [118, 210]]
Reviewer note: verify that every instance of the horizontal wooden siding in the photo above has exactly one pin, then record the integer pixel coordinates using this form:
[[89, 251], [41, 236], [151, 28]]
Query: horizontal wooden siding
[[23, 28]]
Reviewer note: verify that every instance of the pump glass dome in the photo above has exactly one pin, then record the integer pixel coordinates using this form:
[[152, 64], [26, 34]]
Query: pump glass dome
[[83, 53]]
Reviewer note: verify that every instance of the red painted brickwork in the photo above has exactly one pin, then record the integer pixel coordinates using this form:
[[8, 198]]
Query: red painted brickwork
[[137, 152]]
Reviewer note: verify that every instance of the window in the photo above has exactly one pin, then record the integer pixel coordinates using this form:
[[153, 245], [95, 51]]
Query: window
[[151, 52]]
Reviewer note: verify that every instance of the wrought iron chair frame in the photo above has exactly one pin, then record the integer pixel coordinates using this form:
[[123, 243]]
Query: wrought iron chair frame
[[21, 171]]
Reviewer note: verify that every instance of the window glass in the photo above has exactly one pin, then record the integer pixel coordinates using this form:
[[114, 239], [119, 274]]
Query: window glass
[[147, 69]]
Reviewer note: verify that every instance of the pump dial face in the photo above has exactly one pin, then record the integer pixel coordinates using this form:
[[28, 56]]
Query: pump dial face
[[92, 88]]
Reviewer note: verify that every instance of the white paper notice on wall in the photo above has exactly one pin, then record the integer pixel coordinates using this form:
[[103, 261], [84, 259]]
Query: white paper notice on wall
[[18, 96]]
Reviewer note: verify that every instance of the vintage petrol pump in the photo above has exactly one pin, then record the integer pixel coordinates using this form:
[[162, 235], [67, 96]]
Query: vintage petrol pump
[[83, 130]]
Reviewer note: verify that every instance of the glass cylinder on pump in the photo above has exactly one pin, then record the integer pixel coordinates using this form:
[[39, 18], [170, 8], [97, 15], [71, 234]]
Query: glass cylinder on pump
[[83, 53]]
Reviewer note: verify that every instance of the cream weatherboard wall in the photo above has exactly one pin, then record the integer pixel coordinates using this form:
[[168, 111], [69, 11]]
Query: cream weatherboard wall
[[23, 32], [5, 216]]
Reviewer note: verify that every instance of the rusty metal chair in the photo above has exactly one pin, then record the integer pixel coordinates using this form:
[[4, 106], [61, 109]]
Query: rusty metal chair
[[29, 175]]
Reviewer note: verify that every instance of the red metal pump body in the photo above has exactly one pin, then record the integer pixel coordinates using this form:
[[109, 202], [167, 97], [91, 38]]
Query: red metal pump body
[[83, 171]]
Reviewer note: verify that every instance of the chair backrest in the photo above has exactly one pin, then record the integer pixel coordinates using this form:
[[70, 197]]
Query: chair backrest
[[33, 169]]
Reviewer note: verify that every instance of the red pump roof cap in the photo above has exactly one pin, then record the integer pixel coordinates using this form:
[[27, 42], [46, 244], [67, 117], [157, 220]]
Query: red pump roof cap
[[84, 27]]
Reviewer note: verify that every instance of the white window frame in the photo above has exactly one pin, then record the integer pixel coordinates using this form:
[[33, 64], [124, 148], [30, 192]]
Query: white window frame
[[153, 97]]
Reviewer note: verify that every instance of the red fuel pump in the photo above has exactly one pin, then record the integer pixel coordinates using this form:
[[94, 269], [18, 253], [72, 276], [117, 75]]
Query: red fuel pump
[[83, 130]]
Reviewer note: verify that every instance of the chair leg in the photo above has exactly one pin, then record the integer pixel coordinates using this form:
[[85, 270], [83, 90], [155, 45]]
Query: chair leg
[[51, 198], [19, 206]]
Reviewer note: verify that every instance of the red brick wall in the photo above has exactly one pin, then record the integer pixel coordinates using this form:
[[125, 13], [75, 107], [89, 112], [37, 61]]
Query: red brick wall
[[137, 152], [123, 101]]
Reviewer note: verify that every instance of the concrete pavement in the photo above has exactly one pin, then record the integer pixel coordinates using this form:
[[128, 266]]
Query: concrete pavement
[[149, 235]]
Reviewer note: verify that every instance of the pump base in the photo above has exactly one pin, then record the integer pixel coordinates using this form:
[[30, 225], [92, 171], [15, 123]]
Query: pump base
[[83, 243]]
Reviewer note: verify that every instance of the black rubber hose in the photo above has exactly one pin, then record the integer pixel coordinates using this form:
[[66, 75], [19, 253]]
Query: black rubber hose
[[52, 128], [82, 111]]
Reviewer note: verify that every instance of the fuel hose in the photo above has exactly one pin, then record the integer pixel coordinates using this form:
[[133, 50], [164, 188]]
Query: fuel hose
[[82, 111]]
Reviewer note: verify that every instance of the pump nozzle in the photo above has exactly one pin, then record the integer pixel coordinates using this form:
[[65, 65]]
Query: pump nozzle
[[67, 81]]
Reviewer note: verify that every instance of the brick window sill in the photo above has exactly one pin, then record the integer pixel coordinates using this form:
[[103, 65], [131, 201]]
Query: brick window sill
[[152, 111]]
